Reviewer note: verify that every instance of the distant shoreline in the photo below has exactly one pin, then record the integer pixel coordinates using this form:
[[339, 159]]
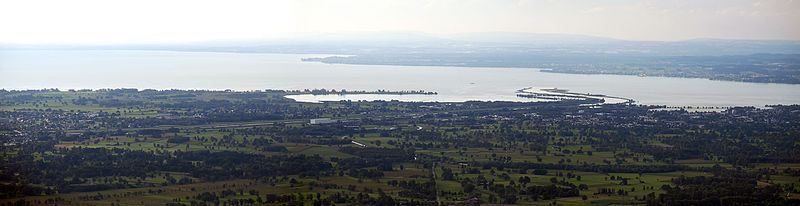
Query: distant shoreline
[[611, 69]]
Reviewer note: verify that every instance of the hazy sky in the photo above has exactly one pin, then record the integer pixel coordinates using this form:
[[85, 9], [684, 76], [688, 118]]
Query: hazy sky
[[137, 21]]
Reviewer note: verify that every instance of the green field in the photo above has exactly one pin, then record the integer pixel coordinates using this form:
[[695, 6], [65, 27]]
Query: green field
[[403, 142]]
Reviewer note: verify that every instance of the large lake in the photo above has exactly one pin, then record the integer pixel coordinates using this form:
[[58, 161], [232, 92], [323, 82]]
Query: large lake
[[36, 69]]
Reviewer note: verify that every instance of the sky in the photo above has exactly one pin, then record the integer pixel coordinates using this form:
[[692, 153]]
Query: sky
[[160, 21]]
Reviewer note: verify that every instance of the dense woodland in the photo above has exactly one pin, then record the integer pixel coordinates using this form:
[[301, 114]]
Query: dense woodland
[[177, 147]]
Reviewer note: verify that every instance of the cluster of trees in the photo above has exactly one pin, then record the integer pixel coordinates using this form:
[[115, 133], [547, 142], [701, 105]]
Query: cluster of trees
[[729, 188], [566, 130], [617, 168], [66, 169], [413, 189]]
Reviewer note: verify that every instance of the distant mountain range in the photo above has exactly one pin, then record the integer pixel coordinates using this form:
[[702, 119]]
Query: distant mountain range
[[731, 60], [492, 42], [487, 42]]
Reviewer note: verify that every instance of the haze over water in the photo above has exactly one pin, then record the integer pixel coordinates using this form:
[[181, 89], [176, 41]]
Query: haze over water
[[94, 69]]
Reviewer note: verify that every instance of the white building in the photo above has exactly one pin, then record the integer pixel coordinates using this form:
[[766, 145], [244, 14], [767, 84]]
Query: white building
[[322, 121], [358, 143]]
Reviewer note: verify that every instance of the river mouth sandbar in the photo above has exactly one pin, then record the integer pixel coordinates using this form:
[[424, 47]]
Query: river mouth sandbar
[[554, 93]]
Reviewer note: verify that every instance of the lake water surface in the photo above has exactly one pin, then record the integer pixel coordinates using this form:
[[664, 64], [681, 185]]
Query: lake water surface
[[93, 69]]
